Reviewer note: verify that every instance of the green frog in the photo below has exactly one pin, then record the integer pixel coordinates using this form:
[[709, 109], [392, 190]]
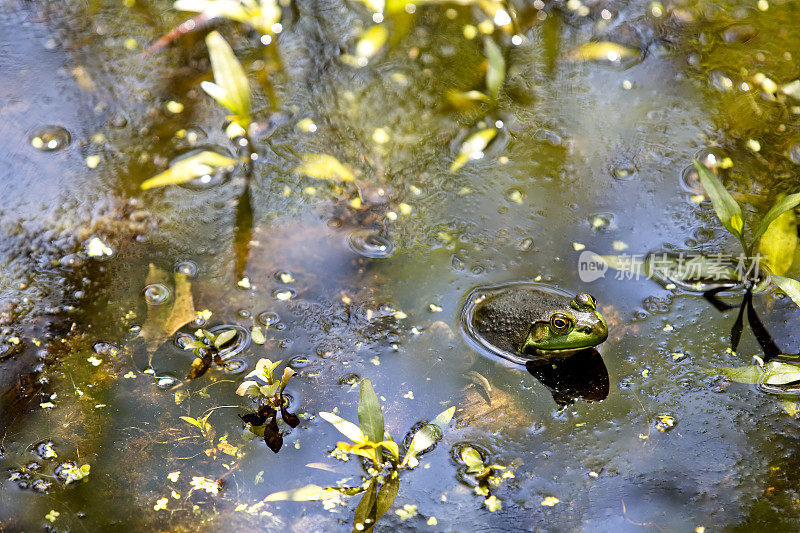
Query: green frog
[[524, 321]]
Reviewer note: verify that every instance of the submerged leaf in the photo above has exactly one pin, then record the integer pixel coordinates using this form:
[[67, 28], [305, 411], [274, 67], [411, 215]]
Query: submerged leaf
[[206, 162], [602, 51], [231, 88], [728, 211], [465, 100], [473, 148], [160, 325], [370, 415], [322, 166], [496, 73], [365, 515]]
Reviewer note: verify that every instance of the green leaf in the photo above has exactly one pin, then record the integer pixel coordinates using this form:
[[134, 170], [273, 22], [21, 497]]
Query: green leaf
[[781, 206], [778, 243], [264, 369], [230, 77], [248, 388], [728, 211], [268, 391], [789, 286], [224, 337], [348, 429], [387, 494], [190, 168], [496, 71], [370, 415], [743, 374], [778, 373], [364, 519]]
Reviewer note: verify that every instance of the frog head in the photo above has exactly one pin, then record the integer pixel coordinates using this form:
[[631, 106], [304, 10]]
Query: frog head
[[571, 328]]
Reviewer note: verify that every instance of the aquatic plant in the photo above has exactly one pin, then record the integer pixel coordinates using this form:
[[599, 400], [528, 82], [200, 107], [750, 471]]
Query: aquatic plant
[[270, 399], [370, 440], [207, 348], [230, 87], [729, 213]]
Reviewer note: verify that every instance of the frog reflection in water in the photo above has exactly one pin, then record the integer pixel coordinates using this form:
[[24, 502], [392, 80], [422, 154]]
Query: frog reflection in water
[[522, 321]]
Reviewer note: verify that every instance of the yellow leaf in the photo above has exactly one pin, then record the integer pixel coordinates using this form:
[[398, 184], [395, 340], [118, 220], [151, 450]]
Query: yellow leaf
[[322, 166], [187, 169], [779, 242], [602, 51]]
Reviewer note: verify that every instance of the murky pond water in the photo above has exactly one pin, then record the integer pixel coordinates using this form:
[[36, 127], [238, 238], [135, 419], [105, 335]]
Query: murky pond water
[[345, 280]]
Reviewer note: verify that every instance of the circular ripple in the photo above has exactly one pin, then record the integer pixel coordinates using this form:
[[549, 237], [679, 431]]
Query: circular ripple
[[156, 294], [50, 138], [370, 243]]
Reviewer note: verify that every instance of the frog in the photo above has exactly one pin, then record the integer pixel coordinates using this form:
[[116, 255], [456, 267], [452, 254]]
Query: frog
[[526, 321]]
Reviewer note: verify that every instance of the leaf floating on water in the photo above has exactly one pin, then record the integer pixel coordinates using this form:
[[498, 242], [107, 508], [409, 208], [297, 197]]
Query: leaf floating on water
[[779, 241], [429, 434], [496, 73], [749, 375], [206, 162], [230, 88], [473, 148], [309, 493], [602, 51], [161, 324], [775, 373], [322, 166], [790, 286]]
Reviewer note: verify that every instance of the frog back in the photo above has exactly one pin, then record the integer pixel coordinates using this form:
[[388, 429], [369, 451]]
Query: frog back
[[504, 318]]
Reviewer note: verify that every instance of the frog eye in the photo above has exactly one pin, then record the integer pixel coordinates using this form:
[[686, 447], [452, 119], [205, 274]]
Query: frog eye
[[560, 323], [584, 302]]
